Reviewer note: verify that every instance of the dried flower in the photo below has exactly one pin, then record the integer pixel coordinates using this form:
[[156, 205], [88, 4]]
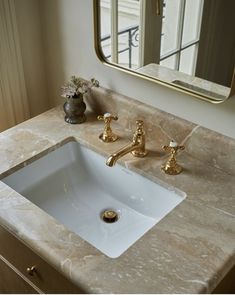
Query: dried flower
[[77, 86]]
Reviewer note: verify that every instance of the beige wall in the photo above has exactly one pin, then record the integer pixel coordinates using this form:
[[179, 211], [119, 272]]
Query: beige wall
[[69, 49], [30, 33]]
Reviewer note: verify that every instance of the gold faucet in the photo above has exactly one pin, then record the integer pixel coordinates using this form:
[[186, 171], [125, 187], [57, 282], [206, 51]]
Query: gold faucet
[[171, 166], [137, 147], [107, 135]]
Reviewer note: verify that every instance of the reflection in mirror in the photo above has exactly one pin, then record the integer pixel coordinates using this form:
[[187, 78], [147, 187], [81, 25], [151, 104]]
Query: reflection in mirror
[[186, 43]]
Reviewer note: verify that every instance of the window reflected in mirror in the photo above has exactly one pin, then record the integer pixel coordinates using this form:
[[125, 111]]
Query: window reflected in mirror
[[190, 43]]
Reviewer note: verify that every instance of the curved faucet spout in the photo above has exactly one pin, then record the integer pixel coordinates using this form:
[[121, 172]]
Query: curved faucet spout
[[112, 159], [137, 147]]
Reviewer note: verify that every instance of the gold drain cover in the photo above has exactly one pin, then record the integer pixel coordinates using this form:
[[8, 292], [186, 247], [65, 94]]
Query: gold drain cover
[[109, 216]]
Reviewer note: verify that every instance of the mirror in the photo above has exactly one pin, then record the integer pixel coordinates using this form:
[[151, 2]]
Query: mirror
[[187, 45]]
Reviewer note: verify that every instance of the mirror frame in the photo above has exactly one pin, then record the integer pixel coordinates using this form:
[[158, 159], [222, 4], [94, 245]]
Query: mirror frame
[[98, 49]]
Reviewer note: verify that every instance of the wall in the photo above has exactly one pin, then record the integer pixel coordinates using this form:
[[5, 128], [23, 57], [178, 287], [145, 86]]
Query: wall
[[68, 35], [30, 33]]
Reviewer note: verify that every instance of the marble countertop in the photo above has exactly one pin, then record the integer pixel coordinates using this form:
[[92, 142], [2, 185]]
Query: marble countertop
[[189, 251], [203, 86]]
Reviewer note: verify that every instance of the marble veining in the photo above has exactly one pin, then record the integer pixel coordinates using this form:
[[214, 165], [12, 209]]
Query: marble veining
[[189, 251]]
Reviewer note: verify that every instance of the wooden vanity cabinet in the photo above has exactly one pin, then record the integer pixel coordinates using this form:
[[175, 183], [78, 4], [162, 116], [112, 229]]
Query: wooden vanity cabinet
[[12, 281], [227, 285], [23, 271]]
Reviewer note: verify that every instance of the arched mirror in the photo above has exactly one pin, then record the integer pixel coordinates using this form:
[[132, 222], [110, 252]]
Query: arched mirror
[[187, 45]]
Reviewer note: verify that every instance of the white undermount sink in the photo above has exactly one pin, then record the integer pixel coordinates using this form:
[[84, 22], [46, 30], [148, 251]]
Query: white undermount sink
[[74, 185]]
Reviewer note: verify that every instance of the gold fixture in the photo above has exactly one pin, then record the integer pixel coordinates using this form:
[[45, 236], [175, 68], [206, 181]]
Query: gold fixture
[[171, 167], [182, 89], [107, 135], [109, 216], [31, 270], [137, 147]]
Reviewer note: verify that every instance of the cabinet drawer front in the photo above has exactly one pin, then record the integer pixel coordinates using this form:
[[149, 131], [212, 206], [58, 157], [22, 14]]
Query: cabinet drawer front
[[11, 282], [45, 277]]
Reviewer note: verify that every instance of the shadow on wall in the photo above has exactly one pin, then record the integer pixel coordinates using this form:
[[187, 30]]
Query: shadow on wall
[[59, 27], [53, 47], [29, 29]]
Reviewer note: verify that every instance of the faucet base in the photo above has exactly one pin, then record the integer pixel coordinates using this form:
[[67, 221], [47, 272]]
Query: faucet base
[[172, 170], [110, 138], [139, 154]]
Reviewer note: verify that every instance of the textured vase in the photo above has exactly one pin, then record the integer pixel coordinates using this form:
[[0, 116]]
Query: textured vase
[[74, 109]]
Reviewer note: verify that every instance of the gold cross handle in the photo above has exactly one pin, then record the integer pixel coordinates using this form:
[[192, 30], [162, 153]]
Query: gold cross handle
[[172, 167], [107, 135]]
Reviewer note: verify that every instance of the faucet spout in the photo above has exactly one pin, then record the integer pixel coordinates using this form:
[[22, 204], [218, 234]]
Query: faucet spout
[[137, 147], [112, 159]]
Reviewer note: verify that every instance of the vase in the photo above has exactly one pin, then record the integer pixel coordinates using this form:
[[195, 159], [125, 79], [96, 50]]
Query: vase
[[74, 109]]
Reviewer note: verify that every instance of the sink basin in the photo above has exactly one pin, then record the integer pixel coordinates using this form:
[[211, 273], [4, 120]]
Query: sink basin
[[74, 185]]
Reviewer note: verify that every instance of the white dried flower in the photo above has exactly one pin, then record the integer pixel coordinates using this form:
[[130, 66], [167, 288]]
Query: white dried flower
[[77, 86]]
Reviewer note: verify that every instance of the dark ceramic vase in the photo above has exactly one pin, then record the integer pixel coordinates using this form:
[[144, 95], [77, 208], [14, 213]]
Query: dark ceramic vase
[[74, 109]]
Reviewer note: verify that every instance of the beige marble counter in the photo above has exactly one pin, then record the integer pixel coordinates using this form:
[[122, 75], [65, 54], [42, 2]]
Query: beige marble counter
[[189, 251]]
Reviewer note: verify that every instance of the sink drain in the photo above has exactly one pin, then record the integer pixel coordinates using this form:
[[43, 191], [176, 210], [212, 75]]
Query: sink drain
[[109, 216]]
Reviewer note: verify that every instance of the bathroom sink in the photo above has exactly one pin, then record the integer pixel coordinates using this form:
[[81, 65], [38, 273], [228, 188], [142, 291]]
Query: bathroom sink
[[74, 185]]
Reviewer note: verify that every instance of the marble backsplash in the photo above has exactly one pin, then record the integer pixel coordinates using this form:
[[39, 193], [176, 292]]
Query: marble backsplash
[[201, 143]]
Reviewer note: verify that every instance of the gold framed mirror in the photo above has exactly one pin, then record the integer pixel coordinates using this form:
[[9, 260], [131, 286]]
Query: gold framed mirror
[[186, 45]]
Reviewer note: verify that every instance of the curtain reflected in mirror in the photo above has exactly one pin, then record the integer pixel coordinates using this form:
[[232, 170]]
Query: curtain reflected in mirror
[[189, 43]]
